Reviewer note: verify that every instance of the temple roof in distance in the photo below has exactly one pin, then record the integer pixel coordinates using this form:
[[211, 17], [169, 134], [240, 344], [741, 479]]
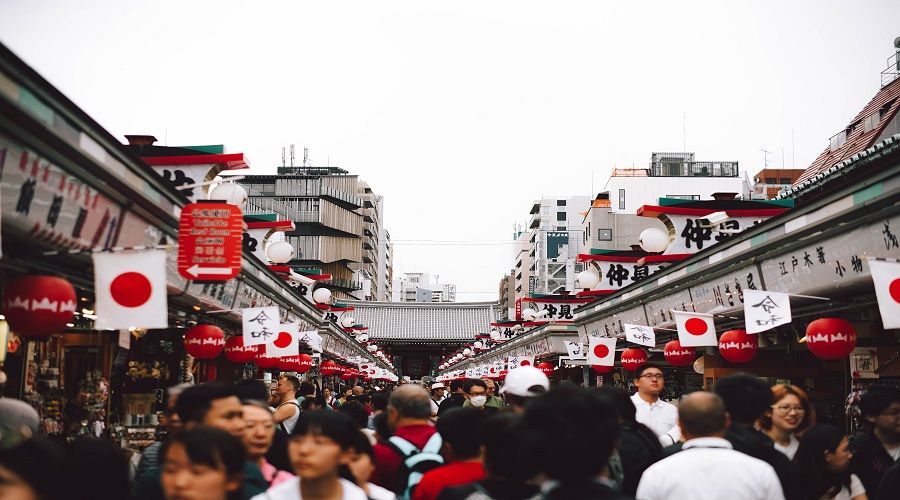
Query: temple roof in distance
[[424, 322]]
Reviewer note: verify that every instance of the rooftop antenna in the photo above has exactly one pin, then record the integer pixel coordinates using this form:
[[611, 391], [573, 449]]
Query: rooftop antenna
[[283, 163], [292, 155], [305, 156], [765, 158]]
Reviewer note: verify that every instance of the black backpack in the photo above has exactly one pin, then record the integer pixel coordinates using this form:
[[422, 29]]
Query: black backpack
[[415, 462]]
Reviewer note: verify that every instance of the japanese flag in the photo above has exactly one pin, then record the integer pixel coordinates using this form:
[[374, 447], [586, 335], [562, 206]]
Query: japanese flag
[[695, 329], [523, 361], [886, 275], [765, 310], [130, 290], [285, 343], [640, 334], [602, 351]]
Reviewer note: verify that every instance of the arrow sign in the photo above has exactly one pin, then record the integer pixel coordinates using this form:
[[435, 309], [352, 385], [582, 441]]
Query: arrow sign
[[196, 270], [210, 240]]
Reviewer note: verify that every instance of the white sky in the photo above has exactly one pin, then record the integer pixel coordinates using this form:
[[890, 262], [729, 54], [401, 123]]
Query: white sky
[[461, 113]]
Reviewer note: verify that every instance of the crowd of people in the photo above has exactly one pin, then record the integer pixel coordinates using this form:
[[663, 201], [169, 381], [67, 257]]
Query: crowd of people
[[469, 440]]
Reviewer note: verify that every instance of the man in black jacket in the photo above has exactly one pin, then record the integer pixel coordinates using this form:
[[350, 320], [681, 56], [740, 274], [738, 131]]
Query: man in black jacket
[[456, 398], [875, 452], [746, 398]]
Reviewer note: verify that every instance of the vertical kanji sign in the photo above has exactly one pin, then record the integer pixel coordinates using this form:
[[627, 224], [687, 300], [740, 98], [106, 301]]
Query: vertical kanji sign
[[209, 241]]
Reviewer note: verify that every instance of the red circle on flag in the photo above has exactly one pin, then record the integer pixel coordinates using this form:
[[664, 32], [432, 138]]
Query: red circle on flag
[[283, 340], [695, 326], [131, 289], [525, 362], [894, 289], [601, 351]]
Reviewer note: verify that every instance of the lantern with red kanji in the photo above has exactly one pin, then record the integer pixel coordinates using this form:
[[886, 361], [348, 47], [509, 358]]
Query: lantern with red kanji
[[38, 306], [677, 355], [304, 363], [501, 375], [204, 341], [738, 346], [601, 369], [546, 368], [349, 373], [264, 362], [237, 352], [328, 368], [830, 338], [633, 358]]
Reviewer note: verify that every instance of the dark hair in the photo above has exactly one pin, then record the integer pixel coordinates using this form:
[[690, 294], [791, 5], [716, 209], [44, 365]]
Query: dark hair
[[702, 414], [781, 391], [815, 477], [503, 456], [623, 403], [194, 402], [472, 382], [380, 422], [304, 389], [640, 371], [212, 447], [249, 389], [355, 411], [308, 401], [458, 427], [334, 425], [364, 399], [362, 446], [172, 392], [456, 385], [746, 397], [35, 460], [379, 401], [294, 381], [877, 399], [96, 469], [564, 427]]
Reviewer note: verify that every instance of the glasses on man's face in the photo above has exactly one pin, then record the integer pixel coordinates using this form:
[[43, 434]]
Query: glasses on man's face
[[785, 409], [652, 376]]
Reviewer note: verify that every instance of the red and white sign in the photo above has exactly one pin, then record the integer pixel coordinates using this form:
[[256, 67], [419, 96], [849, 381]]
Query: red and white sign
[[886, 276], [285, 343], [695, 329], [130, 290], [602, 351], [210, 239]]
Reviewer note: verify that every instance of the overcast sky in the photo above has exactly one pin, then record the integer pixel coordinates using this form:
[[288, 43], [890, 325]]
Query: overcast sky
[[462, 113]]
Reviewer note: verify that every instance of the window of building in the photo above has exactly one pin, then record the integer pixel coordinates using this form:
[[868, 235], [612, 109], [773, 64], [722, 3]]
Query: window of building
[[560, 228], [784, 180], [872, 121], [621, 199], [604, 234], [560, 203], [560, 216], [770, 180]]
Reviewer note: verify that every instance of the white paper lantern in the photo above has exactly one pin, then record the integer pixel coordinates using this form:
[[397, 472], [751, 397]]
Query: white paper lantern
[[654, 240], [528, 313], [496, 334], [229, 192], [322, 295], [279, 252], [362, 337], [348, 321], [479, 344], [468, 352], [372, 347], [587, 279]]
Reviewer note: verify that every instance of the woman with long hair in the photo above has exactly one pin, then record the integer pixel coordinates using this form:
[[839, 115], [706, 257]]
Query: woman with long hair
[[203, 463], [258, 437], [823, 461], [791, 414]]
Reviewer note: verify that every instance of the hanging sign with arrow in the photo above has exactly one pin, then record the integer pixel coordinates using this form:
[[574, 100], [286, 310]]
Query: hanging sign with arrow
[[209, 241]]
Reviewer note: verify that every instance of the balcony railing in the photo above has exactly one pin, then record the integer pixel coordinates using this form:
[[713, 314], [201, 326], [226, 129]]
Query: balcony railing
[[892, 71], [695, 169], [265, 205]]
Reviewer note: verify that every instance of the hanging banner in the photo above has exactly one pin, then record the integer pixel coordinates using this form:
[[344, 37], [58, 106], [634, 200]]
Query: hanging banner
[[886, 275], [765, 310], [602, 351], [260, 324], [640, 334], [130, 290], [695, 329], [286, 343], [210, 241], [575, 350]]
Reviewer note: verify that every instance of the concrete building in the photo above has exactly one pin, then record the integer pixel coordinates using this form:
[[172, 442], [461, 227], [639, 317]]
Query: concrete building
[[555, 237], [420, 287], [367, 271], [507, 294], [608, 230], [673, 175], [769, 181], [385, 268], [523, 259]]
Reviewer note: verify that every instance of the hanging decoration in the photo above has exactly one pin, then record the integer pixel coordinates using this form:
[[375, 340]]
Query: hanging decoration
[[601, 369], [39, 306], [546, 368], [264, 362], [830, 338], [738, 346], [237, 352], [204, 341], [328, 368], [677, 355], [633, 358]]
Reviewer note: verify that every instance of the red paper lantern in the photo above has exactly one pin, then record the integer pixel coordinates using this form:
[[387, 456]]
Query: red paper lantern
[[633, 358], [601, 369], [204, 341], [545, 367], [328, 368], [349, 374], [304, 364], [830, 338], [677, 355], [264, 362], [237, 352], [502, 374], [738, 346], [38, 306]]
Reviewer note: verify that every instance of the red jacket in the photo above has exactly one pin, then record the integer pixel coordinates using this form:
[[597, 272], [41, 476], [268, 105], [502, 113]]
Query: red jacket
[[387, 461]]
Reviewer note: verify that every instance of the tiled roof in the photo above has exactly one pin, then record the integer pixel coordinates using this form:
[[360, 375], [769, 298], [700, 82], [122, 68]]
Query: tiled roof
[[858, 139], [424, 322]]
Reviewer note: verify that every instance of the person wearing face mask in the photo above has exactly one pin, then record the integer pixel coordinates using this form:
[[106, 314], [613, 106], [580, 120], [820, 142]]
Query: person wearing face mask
[[824, 462], [477, 397]]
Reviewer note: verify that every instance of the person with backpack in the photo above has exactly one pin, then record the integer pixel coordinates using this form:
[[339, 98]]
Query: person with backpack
[[288, 410], [462, 447], [414, 448]]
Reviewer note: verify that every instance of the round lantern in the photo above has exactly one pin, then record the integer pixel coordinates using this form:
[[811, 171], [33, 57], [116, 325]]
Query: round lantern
[[677, 355], [653, 240], [738, 346], [230, 192], [350, 373], [348, 321], [204, 341], [587, 279], [300, 363], [546, 368], [38, 306], [528, 314], [305, 363], [830, 338], [322, 295], [502, 374], [264, 362], [633, 358], [237, 352], [279, 252], [601, 369], [328, 368]]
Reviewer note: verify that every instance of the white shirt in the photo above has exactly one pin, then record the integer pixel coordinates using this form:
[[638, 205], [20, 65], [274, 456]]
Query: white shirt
[[661, 417], [291, 421], [708, 468], [290, 490], [378, 493], [856, 489], [791, 449]]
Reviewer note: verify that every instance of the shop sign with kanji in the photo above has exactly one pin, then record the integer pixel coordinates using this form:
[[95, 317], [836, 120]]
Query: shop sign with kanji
[[209, 241]]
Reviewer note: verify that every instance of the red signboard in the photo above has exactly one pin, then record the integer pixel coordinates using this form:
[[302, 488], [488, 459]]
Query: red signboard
[[210, 239]]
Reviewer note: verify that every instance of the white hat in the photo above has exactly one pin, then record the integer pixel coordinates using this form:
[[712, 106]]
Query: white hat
[[437, 385], [525, 381]]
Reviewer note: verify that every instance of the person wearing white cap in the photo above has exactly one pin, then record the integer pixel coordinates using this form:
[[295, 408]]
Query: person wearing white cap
[[523, 384], [437, 395]]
